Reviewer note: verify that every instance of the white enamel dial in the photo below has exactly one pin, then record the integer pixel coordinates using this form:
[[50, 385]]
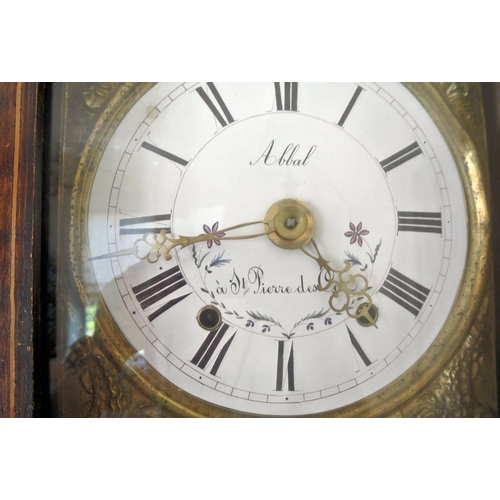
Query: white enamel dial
[[198, 158]]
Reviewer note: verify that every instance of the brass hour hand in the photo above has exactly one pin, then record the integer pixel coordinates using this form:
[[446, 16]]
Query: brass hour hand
[[345, 288], [152, 246], [288, 223]]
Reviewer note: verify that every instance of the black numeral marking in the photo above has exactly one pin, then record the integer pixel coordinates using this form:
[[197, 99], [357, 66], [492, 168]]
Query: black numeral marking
[[157, 288], [288, 99], [213, 107], [285, 375], [205, 353], [401, 157], [351, 104], [358, 348], [140, 226], [420, 222], [404, 291], [165, 154]]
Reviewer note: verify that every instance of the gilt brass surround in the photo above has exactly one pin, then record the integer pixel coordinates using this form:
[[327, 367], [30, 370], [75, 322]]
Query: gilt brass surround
[[101, 365]]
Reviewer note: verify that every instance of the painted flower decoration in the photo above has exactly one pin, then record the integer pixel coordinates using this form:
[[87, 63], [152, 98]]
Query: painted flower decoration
[[356, 233], [213, 231]]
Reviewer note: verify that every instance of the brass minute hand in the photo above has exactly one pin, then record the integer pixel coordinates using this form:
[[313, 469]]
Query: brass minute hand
[[345, 290], [152, 246]]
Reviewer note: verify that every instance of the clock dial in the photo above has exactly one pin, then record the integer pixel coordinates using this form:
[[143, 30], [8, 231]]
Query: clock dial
[[278, 248]]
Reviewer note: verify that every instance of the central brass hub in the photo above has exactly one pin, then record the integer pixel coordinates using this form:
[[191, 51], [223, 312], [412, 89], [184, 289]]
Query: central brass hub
[[292, 222]]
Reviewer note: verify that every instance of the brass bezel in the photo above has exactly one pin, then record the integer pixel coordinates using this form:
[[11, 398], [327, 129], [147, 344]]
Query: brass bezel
[[200, 321], [471, 160]]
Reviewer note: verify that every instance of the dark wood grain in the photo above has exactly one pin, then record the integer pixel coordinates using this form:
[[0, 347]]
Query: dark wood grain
[[7, 154], [20, 174]]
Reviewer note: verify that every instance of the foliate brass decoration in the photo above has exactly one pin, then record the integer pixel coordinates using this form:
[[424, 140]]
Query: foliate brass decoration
[[96, 377], [465, 102], [454, 378], [97, 94], [108, 387], [457, 90], [460, 390]]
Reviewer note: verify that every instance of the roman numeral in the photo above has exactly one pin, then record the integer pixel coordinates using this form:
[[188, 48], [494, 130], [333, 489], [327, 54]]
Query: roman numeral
[[420, 222], [288, 100], [206, 353], [213, 107], [140, 224], [159, 287], [404, 291], [351, 104], [358, 348], [285, 367], [165, 154], [401, 157]]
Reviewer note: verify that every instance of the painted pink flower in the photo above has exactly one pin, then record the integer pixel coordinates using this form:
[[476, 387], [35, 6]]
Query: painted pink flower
[[213, 231], [356, 233]]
